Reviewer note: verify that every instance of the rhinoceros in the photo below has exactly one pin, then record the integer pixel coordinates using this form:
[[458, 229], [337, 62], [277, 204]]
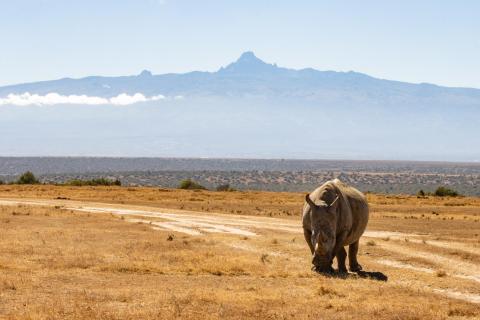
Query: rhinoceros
[[335, 215]]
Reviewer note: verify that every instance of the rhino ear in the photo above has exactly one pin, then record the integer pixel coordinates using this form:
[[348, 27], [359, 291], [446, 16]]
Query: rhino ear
[[309, 201]]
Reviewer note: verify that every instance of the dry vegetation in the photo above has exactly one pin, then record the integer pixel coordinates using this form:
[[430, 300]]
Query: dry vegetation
[[65, 264]]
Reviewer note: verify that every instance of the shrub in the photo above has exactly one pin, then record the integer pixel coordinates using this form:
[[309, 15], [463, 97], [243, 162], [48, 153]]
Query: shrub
[[421, 193], [1, 182], [190, 185], [27, 178], [445, 192], [94, 182], [225, 187]]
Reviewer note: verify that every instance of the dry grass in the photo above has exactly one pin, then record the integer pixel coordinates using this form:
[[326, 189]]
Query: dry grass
[[371, 243], [62, 264], [249, 202]]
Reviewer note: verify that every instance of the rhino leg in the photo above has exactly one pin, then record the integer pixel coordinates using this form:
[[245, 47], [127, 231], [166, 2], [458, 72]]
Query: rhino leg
[[352, 257], [308, 239], [341, 257]]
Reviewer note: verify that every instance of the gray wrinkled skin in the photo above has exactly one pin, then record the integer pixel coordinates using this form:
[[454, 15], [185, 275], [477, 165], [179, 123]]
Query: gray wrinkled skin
[[334, 216]]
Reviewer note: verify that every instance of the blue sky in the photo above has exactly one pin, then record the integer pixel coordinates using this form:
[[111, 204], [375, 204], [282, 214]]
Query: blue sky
[[435, 41]]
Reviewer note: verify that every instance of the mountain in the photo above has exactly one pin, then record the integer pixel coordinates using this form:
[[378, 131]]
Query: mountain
[[248, 108], [250, 76]]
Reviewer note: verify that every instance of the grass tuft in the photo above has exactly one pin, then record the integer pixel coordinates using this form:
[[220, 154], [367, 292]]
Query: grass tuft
[[441, 273]]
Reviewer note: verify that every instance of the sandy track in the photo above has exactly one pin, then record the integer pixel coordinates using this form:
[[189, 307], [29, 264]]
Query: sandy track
[[402, 265], [420, 239], [458, 267], [192, 223], [201, 224]]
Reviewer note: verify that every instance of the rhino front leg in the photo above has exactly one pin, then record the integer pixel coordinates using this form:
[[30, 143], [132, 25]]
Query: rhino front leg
[[308, 238], [352, 257], [341, 257]]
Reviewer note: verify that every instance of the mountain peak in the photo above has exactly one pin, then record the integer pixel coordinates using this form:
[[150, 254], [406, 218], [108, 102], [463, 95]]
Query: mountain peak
[[248, 56], [145, 73], [248, 63]]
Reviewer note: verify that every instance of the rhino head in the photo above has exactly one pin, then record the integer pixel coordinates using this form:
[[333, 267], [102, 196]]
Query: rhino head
[[323, 218]]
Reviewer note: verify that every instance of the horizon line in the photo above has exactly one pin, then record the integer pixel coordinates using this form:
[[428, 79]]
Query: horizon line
[[475, 162]]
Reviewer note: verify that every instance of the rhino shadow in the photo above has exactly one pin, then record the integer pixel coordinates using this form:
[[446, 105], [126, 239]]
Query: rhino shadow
[[374, 275]]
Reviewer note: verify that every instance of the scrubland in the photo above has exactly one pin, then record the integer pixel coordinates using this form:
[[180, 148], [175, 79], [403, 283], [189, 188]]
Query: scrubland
[[62, 257]]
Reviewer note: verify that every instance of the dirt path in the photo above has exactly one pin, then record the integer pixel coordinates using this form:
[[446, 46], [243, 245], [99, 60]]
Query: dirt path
[[202, 224]]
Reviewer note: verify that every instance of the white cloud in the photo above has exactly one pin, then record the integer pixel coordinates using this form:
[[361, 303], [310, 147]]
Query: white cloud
[[156, 98], [27, 99], [124, 99]]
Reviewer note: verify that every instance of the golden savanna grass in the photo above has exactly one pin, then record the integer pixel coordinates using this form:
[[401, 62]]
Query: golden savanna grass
[[63, 264]]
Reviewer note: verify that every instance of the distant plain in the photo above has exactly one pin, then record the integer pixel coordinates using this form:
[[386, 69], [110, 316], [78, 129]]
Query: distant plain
[[390, 177]]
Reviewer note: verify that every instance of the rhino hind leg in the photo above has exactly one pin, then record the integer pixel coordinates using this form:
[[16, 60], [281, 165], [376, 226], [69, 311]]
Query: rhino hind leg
[[308, 239], [352, 257], [341, 257]]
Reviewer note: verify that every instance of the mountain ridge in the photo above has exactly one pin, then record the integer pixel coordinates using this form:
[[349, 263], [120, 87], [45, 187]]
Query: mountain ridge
[[230, 79]]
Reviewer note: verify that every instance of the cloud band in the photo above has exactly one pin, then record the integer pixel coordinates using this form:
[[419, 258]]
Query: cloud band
[[27, 99]]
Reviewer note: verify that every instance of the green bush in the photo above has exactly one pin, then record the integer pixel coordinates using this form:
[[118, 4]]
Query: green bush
[[94, 182], [27, 178], [445, 192], [1, 182], [190, 185], [225, 187], [421, 193]]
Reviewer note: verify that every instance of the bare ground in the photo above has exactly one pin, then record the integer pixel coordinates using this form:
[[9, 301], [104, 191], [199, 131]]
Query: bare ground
[[94, 257]]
